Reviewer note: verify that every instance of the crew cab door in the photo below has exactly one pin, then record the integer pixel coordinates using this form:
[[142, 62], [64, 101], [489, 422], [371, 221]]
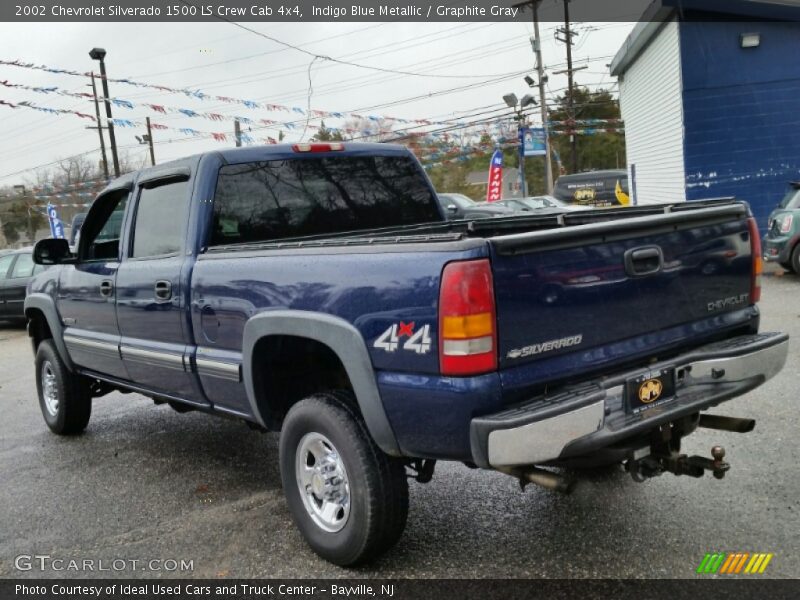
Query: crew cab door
[[5, 266], [87, 289], [16, 284], [152, 289]]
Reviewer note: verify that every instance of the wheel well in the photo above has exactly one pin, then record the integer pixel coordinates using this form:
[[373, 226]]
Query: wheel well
[[38, 328], [287, 369]]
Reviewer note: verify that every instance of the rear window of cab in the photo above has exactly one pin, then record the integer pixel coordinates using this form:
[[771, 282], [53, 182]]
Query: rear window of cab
[[279, 199]]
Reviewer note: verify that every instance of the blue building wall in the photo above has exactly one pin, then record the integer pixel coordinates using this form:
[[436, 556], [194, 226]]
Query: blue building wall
[[741, 111]]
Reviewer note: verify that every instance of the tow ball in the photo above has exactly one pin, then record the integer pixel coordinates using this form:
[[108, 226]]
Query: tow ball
[[664, 455], [679, 464]]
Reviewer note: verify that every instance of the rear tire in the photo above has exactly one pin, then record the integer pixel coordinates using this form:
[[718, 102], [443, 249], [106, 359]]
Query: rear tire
[[64, 397], [346, 496]]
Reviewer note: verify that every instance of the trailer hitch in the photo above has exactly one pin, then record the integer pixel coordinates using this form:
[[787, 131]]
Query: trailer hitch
[[696, 466], [663, 454], [678, 464]]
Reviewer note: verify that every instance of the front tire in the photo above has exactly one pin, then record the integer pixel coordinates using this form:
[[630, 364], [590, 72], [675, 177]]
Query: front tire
[[64, 397], [795, 262], [347, 497]]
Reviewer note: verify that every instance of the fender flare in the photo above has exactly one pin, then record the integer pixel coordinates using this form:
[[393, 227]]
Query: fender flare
[[345, 341], [47, 305]]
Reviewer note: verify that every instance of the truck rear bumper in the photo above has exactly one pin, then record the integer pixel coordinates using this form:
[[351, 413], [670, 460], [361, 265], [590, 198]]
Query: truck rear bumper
[[592, 415]]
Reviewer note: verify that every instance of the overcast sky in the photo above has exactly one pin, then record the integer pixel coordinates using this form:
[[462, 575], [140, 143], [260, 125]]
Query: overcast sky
[[184, 55]]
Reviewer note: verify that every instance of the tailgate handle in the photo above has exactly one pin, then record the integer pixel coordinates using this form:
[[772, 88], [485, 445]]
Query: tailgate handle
[[644, 261]]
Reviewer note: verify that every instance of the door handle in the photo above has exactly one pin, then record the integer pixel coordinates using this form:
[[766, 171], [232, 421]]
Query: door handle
[[644, 261], [106, 288], [163, 290]]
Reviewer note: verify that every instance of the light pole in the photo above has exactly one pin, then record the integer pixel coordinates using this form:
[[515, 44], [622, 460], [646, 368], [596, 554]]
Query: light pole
[[100, 54], [99, 128], [518, 106]]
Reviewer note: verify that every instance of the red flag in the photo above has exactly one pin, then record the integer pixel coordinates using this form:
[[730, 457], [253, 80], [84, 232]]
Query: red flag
[[494, 189]]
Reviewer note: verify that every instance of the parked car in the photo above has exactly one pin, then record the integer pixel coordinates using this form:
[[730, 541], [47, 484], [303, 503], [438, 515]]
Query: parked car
[[16, 270], [487, 210], [459, 206], [540, 204], [317, 290], [453, 205], [783, 231], [594, 188], [75, 229]]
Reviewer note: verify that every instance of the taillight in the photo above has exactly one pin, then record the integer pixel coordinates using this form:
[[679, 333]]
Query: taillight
[[467, 319], [333, 146], [758, 265], [786, 223]]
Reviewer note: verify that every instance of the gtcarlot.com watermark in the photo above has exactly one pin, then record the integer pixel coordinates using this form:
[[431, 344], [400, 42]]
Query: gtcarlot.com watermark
[[46, 562]]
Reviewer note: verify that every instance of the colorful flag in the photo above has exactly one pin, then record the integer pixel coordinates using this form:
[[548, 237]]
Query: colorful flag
[[56, 226], [494, 190]]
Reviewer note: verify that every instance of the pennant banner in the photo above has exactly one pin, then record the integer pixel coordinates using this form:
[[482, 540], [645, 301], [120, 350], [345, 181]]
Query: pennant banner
[[70, 186], [251, 104], [248, 138]]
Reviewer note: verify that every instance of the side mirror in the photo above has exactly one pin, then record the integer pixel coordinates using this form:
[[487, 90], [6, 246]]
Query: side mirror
[[452, 208], [52, 251]]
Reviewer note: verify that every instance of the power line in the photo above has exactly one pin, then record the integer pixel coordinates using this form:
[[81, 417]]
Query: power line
[[268, 52], [330, 58]]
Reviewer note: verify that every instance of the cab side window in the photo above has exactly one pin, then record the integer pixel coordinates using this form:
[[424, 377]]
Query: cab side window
[[101, 232], [5, 263], [161, 216], [23, 267]]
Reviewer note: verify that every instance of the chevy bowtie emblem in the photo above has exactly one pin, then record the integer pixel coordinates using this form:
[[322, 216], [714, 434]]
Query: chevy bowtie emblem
[[650, 391]]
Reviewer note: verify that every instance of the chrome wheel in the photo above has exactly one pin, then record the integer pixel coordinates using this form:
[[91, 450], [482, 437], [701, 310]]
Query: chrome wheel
[[322, 479], [49, 388]]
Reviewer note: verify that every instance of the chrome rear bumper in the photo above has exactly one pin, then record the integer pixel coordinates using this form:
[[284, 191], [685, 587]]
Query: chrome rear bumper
[[582, 418]]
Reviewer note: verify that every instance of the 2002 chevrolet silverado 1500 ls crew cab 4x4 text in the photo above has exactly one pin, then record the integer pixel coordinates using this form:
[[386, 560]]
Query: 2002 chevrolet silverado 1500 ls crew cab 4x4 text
[[317, 290]]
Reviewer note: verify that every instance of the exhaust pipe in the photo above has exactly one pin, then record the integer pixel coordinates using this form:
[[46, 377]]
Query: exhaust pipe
[[546, 479], [721, 423]]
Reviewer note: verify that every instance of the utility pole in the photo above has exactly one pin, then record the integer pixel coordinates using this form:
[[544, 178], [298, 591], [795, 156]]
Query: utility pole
[[237, 132], [537, 48], [100, 54], [523, 185], [570, 93], [99, 128], [150, 142], [536, 43], [109, 119]]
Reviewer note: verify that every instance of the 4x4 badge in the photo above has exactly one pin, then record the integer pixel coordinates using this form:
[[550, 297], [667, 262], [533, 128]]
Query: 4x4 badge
[[419, 341]]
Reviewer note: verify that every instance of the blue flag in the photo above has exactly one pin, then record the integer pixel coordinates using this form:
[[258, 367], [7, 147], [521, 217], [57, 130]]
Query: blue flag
[[56, 226]]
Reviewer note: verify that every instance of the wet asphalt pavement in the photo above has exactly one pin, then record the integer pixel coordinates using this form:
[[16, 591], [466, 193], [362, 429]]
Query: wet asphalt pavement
[[145, 483]]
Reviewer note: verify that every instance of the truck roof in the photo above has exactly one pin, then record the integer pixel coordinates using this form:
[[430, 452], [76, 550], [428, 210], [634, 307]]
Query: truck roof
[[264, 152], [254, 153]]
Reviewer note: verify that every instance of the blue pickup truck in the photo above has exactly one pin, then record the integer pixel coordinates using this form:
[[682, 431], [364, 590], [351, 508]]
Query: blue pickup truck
[[318, 290]]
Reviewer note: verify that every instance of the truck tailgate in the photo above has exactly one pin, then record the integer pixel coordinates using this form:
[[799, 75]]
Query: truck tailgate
[[573, 289]]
